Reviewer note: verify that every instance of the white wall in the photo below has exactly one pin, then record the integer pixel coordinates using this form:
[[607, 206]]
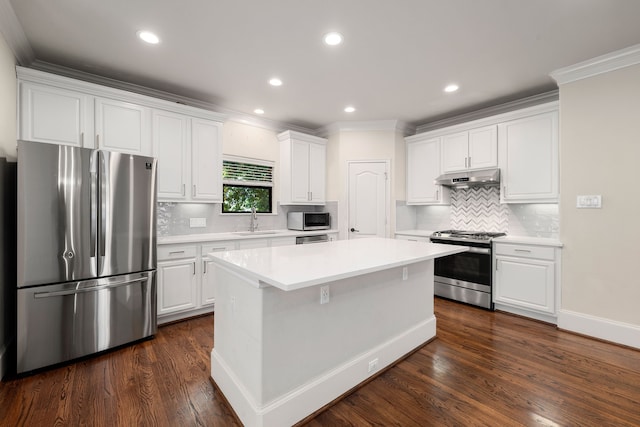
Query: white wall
[[7, 102], [600, 154]]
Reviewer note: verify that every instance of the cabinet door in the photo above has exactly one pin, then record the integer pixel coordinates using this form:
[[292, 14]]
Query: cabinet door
[[170, 147], [525, 283], [529, 159], [122, 126], [176, 286], [52, 115], [483, 148], [206, 160], [423, 167], [299, 171], [317, 172], [208, 289], [455, 150]]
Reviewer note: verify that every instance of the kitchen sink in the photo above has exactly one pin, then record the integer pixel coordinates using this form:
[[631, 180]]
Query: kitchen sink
[[255, 233]]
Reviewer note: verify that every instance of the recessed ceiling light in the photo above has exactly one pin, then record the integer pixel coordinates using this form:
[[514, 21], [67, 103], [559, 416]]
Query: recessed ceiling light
[[275, 82], [148, 37], [333, 38], [349, 109], [258, 111], [451, 88]]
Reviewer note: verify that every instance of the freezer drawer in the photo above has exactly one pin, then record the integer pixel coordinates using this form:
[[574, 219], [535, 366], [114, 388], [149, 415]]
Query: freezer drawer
[[61, 322]]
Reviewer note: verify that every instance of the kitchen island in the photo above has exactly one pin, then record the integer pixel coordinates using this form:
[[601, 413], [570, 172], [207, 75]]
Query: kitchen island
[[298, 326]]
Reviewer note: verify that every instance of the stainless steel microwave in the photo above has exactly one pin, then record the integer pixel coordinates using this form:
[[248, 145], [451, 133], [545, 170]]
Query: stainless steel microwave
[[308, 221]]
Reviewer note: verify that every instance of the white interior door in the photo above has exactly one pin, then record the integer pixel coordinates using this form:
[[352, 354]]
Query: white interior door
[[368, 199]]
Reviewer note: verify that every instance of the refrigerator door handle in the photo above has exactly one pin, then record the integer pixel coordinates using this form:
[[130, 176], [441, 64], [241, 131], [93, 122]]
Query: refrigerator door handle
[[93, 197], [88, 289], [104, 209]]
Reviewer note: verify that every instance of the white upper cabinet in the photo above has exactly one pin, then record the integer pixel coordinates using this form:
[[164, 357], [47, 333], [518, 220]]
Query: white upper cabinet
[[54, 115], [472, 149], [122, 126], [529, 159], [206, 160], [423, 167], [171, 148], [303, 162], [189, 152], [60, 110]]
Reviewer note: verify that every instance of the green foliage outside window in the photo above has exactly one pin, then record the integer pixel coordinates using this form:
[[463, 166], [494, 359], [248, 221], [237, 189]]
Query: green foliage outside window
[[245, 186], [241, 198]]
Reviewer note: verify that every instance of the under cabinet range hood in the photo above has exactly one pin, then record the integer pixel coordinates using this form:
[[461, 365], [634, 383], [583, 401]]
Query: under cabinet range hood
[[470, 178]]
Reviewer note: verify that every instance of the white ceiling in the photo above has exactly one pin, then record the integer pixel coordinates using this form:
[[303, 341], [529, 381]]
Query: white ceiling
[[396, 58]]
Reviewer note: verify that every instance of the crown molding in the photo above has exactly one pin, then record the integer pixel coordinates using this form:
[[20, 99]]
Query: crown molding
[[367, 126], [230, 115], [598, 65], [495, 110], [14, 34]]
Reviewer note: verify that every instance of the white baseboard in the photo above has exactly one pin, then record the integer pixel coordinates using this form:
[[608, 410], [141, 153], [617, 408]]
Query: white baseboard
[[305, 400], [601, 328]]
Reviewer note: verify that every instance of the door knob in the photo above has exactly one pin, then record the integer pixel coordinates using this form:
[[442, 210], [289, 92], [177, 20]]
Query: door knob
[[353, 230]]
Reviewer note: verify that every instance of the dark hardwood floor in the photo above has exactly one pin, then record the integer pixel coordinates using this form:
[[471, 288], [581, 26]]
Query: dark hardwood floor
[[484, 368]]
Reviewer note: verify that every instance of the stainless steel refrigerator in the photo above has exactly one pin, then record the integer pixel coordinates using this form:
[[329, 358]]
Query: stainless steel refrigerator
[[86, 252]]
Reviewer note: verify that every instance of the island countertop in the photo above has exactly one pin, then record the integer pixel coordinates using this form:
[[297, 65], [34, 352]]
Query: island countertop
[[294, 267]]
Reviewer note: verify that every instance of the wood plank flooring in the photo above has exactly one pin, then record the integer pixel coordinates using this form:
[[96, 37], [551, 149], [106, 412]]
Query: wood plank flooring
[[484, 368]]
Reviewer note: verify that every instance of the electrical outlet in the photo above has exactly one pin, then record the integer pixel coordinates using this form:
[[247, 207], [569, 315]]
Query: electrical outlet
[[405, 273], [324, 294], [373, 365], [589, 202], [197, 222]]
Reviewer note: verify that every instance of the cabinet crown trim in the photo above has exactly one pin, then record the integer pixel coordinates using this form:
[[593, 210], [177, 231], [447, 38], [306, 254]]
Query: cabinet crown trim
[[487, 121], [290, 134], [598, 65]]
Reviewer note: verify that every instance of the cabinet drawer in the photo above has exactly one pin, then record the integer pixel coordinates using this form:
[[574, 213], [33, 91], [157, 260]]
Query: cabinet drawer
[[176, 252], [525, 251], [217, 247]]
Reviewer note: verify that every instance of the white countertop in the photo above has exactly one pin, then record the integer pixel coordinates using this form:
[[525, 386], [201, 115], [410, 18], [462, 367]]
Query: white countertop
[[538, 241], [300, 266], [526, 240], [260, 234], [419, 233]]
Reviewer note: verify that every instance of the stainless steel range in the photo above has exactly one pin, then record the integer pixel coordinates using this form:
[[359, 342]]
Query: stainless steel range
[[467, 276]]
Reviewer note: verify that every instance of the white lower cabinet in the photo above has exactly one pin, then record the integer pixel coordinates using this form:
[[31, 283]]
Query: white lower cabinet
[[525, 280], [177, 279], [208, 294], [187, 278]]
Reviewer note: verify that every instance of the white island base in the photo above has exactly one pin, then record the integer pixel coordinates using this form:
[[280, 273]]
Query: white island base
[[280, 355]]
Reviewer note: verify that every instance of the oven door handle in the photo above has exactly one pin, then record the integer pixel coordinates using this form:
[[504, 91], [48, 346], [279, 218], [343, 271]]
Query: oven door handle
[[479, 250]]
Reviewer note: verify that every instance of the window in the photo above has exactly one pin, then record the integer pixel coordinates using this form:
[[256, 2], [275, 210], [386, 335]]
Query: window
[[246, 183]]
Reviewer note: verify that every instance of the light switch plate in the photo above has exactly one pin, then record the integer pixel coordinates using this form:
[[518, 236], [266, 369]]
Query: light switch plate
[[589, 202], [197, 222]]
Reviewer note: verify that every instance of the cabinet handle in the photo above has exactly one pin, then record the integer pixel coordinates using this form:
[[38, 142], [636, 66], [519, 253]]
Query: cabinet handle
[[184, 189], [204, 267], [504, 191], [176, 252], [523, 250], [98, 141], [469, 162], [82, 139], [437, 194], [193, 191], [465, 163], [194, 268]]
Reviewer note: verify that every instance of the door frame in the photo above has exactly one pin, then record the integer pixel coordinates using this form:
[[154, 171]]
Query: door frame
[[344, 230]]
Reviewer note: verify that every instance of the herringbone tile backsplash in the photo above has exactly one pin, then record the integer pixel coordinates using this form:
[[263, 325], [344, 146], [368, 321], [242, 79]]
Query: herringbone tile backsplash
[[478, 209]]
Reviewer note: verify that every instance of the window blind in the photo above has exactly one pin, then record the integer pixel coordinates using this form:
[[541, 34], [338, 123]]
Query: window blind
[[241, 173]]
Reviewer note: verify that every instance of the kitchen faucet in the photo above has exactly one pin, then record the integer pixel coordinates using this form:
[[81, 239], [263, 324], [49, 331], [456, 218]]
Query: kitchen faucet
[[253, 223]]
